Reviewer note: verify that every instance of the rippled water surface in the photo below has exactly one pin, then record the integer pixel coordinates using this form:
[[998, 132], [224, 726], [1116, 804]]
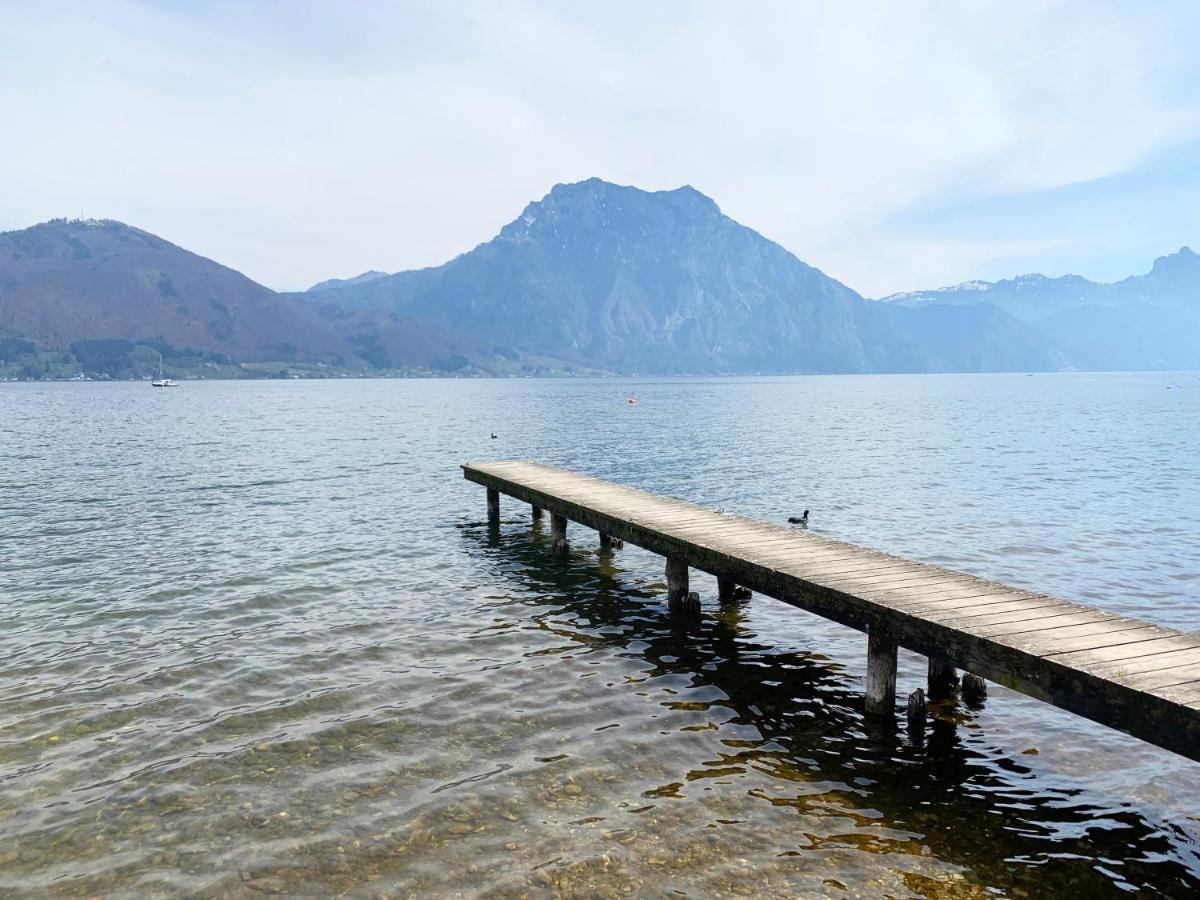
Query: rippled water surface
[[258, 639]]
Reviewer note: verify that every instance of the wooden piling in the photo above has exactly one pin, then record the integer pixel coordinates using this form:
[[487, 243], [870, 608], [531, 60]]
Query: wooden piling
[[558, 533], [608, 542], [881, 675], [677, 580], [974, 689], [729, 591], [493, 507], [916, 715], [943, 678], [537, 512]]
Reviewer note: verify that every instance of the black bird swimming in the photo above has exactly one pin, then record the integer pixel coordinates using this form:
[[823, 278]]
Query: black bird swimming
[[493, 435], [798, 520]]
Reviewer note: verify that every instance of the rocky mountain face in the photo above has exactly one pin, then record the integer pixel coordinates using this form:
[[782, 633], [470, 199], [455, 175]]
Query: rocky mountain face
[[1149, 321], [1173, 283], [632, 281]]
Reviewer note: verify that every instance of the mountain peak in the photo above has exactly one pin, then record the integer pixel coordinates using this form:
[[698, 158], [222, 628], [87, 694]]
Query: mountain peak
[[77, 239], [585, 208], [587, 185], [688, 194], [86, 226], [69, 226], [1183, 253], [1182, 261], [330, 284], [599, 188]]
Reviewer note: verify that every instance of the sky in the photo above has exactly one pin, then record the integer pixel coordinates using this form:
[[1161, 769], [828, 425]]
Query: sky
[[895, 146]]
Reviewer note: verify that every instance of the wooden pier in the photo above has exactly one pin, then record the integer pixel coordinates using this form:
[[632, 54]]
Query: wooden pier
[[1130, 675]]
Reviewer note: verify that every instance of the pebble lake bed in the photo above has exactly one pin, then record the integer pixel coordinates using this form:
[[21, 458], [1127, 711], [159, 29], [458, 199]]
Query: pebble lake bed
[[260, 640]]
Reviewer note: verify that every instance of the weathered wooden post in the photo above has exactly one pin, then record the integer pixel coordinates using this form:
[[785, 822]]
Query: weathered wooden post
[[493, 504], [537, 512], [881, 674], [729, 591], [677, 579], [558, 532], [678, 596], [974, 689], [943, 679], [916, 716], [608, 542]]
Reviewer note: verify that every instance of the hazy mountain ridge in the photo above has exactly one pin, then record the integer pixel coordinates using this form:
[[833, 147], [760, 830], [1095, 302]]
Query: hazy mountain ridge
[[330, 283], [65, 282], [1028, 297], [106, 298], [594, 277], [1149, 321], [1172, 283]]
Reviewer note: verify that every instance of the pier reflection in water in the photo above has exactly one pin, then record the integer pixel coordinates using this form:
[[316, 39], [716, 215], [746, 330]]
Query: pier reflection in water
[[797, 771]]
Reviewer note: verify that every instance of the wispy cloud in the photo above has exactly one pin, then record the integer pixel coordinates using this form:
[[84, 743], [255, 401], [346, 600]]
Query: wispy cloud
[[1066, 45]]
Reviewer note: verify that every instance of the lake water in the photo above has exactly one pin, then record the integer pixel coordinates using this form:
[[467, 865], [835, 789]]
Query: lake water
[[258, 639]]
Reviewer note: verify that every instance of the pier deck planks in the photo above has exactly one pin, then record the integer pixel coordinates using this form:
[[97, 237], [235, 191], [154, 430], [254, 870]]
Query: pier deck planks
[[1127, 674]]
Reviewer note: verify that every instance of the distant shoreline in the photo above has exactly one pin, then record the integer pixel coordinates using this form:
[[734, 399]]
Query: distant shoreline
[[592, 376]]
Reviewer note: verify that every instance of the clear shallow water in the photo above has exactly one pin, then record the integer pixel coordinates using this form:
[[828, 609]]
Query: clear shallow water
[[258, 639]]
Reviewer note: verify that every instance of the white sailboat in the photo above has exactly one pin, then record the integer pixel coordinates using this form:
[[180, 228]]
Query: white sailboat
[[159, 379]]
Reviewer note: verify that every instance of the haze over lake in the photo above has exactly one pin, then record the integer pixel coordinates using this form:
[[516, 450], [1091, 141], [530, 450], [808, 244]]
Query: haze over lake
[[260, 639]]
